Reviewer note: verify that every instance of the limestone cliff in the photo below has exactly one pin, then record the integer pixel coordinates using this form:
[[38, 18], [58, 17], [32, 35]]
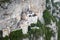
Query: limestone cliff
[[17, 14]]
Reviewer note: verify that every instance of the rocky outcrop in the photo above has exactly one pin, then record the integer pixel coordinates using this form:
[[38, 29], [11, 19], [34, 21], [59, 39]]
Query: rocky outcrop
[[21, 13]]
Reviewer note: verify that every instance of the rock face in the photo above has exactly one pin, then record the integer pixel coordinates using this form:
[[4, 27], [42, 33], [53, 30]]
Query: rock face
[[21, 13]]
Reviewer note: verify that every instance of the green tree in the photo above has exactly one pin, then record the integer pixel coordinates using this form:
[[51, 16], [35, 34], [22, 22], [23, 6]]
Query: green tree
[[47, 17], [48, 33], [35, 32], [38, 24], [5, 38], [16, 35]]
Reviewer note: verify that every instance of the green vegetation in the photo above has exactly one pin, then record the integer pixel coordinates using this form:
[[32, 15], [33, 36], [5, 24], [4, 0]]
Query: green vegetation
[[49, 7], [25, 35], [32, 25], [47, 17], [39, 24], [48, 33], [35, 32], [53, 18], [47, 1], [3, 1], [6, 38], [58, 25], [16, 35], [43, 29]]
